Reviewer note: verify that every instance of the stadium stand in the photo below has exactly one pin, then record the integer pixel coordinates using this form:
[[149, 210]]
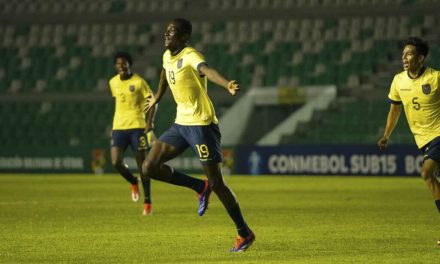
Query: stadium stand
[[347, 122], [88, 7], [54, 73]]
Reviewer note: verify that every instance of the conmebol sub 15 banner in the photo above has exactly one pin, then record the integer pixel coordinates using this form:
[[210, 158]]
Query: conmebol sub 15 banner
[[90, 160], [329, 160]]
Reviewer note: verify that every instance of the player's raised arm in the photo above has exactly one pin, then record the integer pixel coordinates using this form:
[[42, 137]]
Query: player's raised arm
[[214, 76], [153, 99], [393, 117]]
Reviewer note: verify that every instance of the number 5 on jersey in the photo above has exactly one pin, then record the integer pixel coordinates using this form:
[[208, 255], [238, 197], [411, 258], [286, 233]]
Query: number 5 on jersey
[[416, 105]]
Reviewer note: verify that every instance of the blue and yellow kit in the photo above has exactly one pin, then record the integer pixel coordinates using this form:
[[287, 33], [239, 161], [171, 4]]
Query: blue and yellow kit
[[189, 88], [130, 96], [421, 101]]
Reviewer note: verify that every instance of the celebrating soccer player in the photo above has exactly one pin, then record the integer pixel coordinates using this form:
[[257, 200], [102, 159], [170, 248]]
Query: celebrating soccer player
[[131, 126], [417, 89], [186, 72]]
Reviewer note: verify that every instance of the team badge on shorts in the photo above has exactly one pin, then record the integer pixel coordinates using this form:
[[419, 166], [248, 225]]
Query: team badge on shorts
[[131, 88], [179, 63], [426, 88]]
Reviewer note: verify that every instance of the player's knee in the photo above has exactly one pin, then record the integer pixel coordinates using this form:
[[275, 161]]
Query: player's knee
[[148, 169]]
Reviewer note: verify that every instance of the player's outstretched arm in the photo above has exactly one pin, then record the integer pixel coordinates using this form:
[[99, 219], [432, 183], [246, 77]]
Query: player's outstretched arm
[[393, 117], [153, 99], [214, 76]]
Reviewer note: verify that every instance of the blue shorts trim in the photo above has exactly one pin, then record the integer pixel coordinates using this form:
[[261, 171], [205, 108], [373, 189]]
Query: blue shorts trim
[[135, 138], [432, 150], [204, 140]]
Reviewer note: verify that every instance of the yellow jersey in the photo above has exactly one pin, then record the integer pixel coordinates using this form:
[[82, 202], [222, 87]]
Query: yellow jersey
[[189, 88], [130, 96], [421, 101]]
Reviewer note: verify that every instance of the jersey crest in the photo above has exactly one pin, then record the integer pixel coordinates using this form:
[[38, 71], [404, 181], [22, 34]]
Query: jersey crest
[[131, 88], [179, 63], [426, 88]]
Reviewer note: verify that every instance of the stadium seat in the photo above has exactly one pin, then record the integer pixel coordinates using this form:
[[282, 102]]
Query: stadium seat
[[62, 58]]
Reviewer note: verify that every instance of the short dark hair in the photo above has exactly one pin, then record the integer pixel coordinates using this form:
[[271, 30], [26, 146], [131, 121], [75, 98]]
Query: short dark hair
[[184, 25], [422, 46], [124, 55]]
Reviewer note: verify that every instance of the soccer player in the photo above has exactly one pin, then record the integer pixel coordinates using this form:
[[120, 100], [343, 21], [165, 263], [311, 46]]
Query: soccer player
[[186, 72], [131, 126], [417, 89]]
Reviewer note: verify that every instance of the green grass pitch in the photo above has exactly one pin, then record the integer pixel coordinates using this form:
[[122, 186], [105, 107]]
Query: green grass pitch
[[91, 219]]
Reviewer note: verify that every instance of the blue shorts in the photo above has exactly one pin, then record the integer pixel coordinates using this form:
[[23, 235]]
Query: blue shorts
[[136, 138], [432, 150], [205, 141]]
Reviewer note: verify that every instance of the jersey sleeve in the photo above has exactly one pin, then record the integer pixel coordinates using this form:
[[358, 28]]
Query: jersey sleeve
[[394, 96], [195, 59], [111, 88]]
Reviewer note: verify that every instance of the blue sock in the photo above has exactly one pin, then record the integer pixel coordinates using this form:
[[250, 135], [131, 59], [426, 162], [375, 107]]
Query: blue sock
[[437, 203], [146, 184], [237, 217], [125, 172], [178, 178]]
